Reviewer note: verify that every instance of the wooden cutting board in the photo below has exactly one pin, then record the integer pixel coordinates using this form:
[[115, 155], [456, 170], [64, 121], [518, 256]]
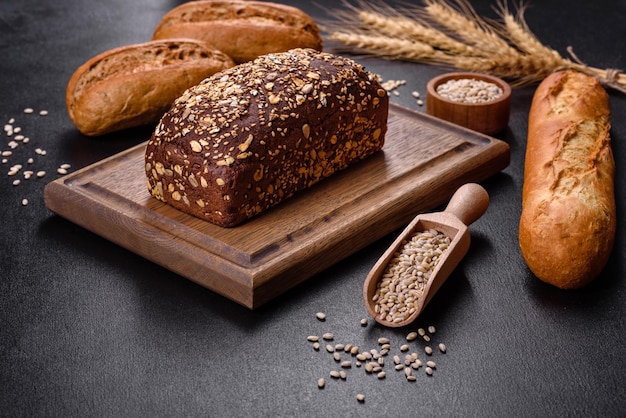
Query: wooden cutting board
[[423, 162]]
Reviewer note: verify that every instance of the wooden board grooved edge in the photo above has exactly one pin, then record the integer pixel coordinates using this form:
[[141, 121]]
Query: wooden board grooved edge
[[423, 162]]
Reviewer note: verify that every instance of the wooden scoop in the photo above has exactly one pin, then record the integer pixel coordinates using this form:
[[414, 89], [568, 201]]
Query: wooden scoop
[[467, 204]]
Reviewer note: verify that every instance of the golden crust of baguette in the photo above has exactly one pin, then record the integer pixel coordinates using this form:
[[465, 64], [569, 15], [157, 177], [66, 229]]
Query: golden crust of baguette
[[567, 225]]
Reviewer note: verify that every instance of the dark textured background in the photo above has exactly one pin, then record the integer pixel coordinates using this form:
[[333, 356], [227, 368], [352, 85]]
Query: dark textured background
[[90, 329]]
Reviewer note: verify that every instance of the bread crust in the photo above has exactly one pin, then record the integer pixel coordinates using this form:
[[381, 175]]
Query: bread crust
[[135, 84], [248, 138], [242, 29], [567, 225]]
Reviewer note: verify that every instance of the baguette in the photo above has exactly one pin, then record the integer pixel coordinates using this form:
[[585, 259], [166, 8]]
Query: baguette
[[250, 137], [242, 29], [134, 85], [567, 224]]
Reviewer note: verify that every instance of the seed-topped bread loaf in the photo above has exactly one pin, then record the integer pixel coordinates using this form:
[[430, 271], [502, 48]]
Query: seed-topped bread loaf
[[251, 136]]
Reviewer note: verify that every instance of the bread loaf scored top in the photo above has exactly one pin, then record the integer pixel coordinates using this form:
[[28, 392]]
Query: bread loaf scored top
[[134, 85], [243, 29], [249, 137], [568, 220]]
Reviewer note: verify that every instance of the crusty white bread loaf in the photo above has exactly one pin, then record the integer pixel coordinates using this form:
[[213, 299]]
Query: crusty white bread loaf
[[246, 139], [242, 29], [135, 84], [567, 225]]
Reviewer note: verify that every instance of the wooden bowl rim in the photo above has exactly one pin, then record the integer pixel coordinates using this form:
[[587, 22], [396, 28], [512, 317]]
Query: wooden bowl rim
[[431, 88]]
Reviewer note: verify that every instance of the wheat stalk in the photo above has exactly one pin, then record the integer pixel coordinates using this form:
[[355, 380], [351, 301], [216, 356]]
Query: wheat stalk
[[451, 33]]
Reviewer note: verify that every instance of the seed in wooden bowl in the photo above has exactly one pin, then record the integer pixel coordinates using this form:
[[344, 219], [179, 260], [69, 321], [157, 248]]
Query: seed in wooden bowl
[[469, 90]]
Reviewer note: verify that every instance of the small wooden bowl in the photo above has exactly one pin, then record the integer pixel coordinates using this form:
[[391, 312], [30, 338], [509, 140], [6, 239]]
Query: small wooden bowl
[[486, 117]]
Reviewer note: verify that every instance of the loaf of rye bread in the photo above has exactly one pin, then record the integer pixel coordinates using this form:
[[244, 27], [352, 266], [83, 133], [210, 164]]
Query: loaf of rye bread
[[135, 84], [242, 29], [567, 225], [251, 136]]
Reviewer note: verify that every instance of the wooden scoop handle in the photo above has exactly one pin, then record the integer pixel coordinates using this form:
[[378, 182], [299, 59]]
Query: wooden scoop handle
[[468, 203]]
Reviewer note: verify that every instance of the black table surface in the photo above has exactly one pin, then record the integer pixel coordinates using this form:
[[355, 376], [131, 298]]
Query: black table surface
[[88, 328]]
